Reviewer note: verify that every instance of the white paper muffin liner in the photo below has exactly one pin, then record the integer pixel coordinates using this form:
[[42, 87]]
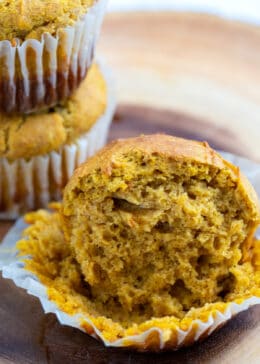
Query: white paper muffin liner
[[49, 70], [154, 338], [29, 184]]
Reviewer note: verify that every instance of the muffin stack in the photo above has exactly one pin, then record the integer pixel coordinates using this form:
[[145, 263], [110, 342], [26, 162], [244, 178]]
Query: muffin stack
[[55, 104]]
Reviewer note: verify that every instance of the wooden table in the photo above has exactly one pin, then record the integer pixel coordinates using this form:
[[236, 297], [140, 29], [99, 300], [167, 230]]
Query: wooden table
[[200, 66], [191, 75]]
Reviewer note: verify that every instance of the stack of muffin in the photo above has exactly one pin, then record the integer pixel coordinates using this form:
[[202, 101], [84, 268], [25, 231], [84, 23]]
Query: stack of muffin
[[55, 104]]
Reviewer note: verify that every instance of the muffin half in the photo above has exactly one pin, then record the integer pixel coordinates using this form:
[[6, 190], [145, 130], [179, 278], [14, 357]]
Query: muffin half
[[159, 246], [39, 152], [175, 219]]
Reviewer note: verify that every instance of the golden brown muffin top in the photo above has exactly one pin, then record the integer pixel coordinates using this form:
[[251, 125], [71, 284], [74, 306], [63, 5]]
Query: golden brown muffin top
[[30, 19], [167, 146], [25, 136]]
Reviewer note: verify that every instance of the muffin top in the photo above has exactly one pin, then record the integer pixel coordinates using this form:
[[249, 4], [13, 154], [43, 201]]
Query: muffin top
[[167, 147], [25, 136], [30, 19], [175, 218]]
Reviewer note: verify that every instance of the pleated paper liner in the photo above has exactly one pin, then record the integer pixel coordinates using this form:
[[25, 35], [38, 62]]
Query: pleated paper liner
[[30, 184], [165, 333], [158, 334], [38, 74]]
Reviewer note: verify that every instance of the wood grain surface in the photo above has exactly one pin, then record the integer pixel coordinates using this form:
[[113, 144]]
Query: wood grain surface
[[198, 65], [190, 75]]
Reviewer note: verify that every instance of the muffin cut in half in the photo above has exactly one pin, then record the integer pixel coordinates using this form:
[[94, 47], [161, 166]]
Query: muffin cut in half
[[152, 247], [159, 225]]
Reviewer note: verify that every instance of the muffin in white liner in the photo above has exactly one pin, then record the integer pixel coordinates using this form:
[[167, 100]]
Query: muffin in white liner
[[26, 184], [36, 74], [153, 335]]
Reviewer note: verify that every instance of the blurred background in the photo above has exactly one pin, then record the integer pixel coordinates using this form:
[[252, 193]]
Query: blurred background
[[236, 9], [187, 67]]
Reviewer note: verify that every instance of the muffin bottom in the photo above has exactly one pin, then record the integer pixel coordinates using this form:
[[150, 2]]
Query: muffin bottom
[[52, 274]]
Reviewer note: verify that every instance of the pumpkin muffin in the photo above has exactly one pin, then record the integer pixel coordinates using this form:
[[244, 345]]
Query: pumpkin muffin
[[173, 217], [38, 152], [154, 233], [46, 48]]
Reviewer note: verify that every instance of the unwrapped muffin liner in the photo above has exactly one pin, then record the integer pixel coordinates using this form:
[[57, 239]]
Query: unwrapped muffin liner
[[30, 184], [149, 339], [36, 74]]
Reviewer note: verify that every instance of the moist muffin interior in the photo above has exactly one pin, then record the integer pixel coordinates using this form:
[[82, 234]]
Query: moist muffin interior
[[53, 262], [157, 236]]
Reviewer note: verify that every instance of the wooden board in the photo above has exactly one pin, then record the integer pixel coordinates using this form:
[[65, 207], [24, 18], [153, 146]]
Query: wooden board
[[197, 65], [191, 75]]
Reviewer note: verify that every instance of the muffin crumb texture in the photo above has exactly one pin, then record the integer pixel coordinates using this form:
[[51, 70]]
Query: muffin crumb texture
[[158, 231], [30, 19]]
